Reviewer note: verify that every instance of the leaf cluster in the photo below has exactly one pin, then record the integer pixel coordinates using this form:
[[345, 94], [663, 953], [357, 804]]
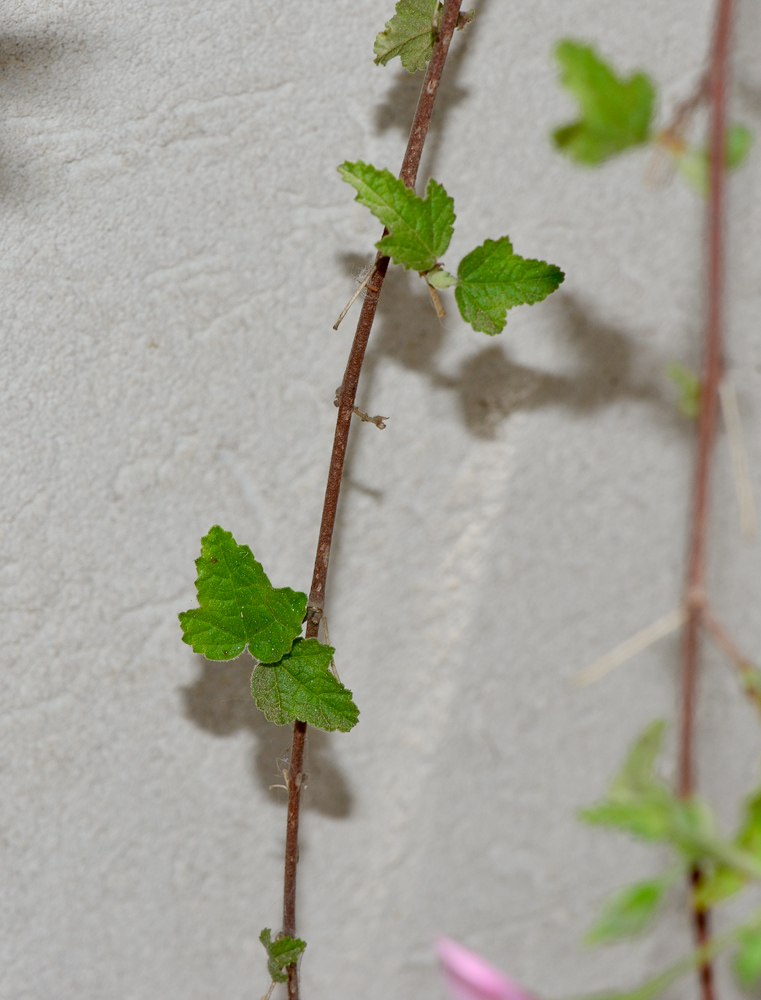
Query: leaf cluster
[[239, 607], [281, 953], [640, 803], [490, 279]]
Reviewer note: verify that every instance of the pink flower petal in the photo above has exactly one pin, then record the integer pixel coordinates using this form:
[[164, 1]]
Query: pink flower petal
[[470, 977]]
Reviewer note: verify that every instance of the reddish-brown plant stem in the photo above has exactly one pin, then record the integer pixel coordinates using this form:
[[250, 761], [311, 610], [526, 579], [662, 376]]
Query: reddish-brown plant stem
[[695, 588], [408, 174]]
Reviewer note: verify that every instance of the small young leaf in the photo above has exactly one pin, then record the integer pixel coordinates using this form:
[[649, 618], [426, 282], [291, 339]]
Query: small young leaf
[[438, 278], [281, 953], [637, 801], [689, 387], [419, 229], [238, 605], [410, 34], [751, 680], [637, 776], [748, 958], [718, 886], [615, 113], [693, 165], [301, 686], [492, 279], [629, 911]]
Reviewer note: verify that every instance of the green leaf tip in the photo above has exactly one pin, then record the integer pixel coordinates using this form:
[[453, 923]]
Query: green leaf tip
[[637, 801], [419, 229], [629, 911], [410, 34], [238, 605], [748, 958], [492, 279], [281, 953], [693, 164], [616, 113], [688, 384], [301, 686]]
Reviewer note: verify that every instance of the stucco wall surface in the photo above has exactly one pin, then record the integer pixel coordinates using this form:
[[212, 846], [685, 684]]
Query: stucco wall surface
[[176, 245]]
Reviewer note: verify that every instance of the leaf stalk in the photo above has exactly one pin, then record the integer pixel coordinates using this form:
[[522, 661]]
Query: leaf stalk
[[695, 584]]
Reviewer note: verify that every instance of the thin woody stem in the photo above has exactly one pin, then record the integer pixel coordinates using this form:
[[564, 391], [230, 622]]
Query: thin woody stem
[[695, 587], [408, 174]]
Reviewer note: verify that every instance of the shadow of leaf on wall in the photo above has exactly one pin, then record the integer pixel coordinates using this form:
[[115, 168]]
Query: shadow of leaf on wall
[[606, 364], [220, 702]]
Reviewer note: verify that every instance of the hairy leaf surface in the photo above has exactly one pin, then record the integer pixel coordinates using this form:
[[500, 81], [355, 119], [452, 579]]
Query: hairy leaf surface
[[419, 229], [301, 686], [616, 113], [238, 605], [492, 279], [410, 34], [281, 953]]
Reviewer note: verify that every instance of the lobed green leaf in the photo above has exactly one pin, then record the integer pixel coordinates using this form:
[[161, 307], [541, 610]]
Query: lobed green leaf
[[419, 229], [410, 34], [301, 686], [630, 910], [281, 953], [492, 279], [615, 113], [238, 605]]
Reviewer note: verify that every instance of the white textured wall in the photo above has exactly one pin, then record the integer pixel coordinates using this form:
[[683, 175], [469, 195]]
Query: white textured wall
[[176, 244]]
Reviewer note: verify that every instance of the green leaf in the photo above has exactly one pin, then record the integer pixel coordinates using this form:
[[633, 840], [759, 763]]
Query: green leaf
[[238, 605], [748, 958], [281, 953], [419, 229], [722, 883], [648, 820], [410, 34], [637, 776], [725, 880], [749, 835], [637, 801], [492, 279], [630, 911], [689, 387], [615, 113], [751, 680], [739, 142], [438, 278], [301, 686], [693, 165]]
